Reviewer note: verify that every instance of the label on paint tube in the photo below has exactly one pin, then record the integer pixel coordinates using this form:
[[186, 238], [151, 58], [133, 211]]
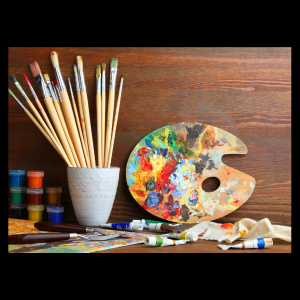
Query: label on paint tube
[[120, 225]]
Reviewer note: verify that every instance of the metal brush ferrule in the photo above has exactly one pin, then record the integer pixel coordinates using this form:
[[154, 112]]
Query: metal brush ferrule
[[60, 80], [32, 91], [76, 82], [103, 81], [81, 80], [73, 235], [98, 84], [58, 93], [72, 96], [120, 90], [42, 85], [19, 102], [21, 90], [51, 90], [89, 230], [113, 76]]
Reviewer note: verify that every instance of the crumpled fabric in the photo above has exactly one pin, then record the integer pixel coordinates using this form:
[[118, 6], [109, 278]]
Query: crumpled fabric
[[245, 229]]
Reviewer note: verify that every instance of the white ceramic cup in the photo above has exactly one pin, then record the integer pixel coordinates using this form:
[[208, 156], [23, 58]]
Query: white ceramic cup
[[93, 193]]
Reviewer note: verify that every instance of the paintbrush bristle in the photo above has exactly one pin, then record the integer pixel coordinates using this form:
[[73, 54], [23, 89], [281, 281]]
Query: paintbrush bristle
[[25, 77], [75, 67], [46, 77], [69, 80], [79, 62], [13, 78], [10, 92], [98, 70], [54, 59], [35, 69], [114, 63], [103, 67], [122, 77]]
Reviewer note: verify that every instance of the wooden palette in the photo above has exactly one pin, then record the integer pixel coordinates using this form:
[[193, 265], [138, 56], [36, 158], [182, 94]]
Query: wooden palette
[[166, 169]]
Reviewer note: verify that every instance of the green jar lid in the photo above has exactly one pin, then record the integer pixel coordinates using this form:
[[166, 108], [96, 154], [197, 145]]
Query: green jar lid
[[18, 189]]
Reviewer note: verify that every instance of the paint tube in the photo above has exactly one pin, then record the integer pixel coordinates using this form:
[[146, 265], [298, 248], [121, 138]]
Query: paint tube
[[124, 226], [160, 227], [258, 243], [191, 236], [159, 242], [146, 223]]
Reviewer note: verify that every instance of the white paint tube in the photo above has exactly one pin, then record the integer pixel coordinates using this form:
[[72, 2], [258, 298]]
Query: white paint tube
[[191, 236], [146, 223], [159, 242], [258, 243]]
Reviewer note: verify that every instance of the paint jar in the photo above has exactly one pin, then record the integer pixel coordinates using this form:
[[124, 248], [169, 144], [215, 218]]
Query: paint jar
[[45, 214], [53, 194], [19, 211], [35, 179], [35, 212], [34, 196], [16, 177], [17, 194], [55, 213]]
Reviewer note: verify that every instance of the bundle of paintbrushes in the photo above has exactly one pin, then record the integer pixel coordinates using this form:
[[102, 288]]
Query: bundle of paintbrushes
[[69, 129]]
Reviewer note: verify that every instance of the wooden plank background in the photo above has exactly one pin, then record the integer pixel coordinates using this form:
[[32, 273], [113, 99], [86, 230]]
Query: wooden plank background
[[245, 91]]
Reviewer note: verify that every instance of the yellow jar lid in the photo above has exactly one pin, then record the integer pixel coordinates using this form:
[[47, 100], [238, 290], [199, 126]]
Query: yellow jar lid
[[35, 207]]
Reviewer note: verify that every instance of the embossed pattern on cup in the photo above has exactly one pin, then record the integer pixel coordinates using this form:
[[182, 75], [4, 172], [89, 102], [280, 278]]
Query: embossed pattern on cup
[[93, 193]]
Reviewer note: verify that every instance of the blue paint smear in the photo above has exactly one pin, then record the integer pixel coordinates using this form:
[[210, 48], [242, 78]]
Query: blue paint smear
[[164, 152], [178, 194], [230, 192], [227, 198]]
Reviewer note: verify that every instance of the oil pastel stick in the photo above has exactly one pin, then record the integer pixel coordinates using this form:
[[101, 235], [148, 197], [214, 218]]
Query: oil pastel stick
[[259, 243], [160, 242], [124, 226], [146, 223], [191, 236]]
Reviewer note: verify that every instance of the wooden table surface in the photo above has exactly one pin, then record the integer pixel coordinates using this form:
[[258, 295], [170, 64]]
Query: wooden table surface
[[245, 91]]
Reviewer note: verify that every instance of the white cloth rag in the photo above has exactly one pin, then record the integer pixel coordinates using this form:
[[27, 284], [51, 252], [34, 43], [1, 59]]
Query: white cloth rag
[[245, 229]]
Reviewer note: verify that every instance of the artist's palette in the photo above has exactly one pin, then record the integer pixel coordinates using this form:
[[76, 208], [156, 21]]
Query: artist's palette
[[166, 169]]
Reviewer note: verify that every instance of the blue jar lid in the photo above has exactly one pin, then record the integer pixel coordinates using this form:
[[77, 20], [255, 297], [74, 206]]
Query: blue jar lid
[[55, 209], [16, 172]]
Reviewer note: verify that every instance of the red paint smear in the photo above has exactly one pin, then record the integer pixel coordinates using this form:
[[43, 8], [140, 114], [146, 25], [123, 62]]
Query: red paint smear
[[145, 165], [226, 226], [140, 193], [227, 171], [234, 202], [163, 178], [165, 215], [186, 157], [144, 206], [143, 151]]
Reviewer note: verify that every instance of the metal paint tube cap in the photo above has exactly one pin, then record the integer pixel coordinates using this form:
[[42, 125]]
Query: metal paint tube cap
[[136, 227]]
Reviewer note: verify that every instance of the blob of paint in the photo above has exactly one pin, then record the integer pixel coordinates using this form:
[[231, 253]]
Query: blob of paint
[[17, 194], [35, 179], [55, 213], [16, 177], [35, 212]]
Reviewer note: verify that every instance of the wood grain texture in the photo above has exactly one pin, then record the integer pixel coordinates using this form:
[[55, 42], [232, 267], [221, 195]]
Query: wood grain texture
[[245, 91]]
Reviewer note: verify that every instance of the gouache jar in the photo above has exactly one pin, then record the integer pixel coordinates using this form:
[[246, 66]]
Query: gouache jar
[[35, 179], [53, 194], [34, 196], [17, 194], [35, 212], [19, 211], [55, 213], [16, 177], [45, 217]]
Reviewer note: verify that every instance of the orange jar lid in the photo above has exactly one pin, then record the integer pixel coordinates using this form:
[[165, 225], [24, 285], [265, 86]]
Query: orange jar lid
[[53, 190], [35, 173]]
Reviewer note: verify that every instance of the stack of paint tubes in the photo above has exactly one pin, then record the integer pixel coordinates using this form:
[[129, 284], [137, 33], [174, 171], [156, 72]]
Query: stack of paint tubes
[[18, 203]]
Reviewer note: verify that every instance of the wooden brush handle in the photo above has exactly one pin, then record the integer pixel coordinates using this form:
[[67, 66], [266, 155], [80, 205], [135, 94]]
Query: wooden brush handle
[[103, 126], [99, 132], [31, 238], [59, 227]]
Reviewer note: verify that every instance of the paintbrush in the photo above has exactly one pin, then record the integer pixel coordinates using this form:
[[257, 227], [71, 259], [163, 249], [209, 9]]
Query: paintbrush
[[69, 116], [34, 109], [85, 106], [98, 107], [39, 104], [52, 141], [77, 121], [103, 115], [37, 74], [81, 115], [115, 123], [61, 118], [110, 108]]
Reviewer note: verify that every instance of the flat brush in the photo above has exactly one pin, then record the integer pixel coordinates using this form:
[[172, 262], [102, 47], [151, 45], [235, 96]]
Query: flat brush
[[61, 118], [77, 121], [37, 74], [83, 127], [110, 109], [39, 104], [51, 141], [85, 106], [103, 115], [69, 116], [98, 107], [115, 123]]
